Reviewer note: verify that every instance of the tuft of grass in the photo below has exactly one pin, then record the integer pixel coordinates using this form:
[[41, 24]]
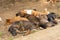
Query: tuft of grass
[[34, 31], [10, 38], [1, 34]]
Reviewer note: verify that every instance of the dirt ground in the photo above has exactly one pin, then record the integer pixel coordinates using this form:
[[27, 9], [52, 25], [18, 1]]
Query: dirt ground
[[52, 33]]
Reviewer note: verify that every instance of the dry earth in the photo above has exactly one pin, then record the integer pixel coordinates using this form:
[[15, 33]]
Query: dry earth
[[52, 33]]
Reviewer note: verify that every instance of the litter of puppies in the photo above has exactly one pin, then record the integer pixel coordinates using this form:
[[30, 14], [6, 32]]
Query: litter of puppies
[[27, 20]]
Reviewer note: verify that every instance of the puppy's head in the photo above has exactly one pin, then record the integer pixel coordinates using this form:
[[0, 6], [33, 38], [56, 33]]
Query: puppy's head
[[8, 21], [21, 14]]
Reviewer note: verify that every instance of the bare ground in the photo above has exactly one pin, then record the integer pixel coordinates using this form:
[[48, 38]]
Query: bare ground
[[52, 33]]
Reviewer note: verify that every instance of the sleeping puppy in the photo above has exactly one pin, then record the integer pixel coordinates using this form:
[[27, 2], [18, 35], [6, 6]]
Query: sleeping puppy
[[17, 18], [29, 12], [21, 26]]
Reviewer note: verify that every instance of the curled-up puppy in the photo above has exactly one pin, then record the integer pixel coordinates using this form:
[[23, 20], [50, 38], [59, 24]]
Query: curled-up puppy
[[21, 26], [26, 26]]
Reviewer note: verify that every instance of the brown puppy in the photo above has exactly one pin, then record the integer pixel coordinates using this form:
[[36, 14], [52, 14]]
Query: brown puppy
[[17, 18], [21, 26], [33, 12]]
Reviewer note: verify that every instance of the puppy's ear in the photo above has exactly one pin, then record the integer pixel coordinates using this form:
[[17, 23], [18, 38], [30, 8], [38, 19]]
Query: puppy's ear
[[7, 22]]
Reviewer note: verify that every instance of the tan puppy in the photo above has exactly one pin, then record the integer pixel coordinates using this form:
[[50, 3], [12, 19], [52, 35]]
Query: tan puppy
[[18, 18], [37, 13], [34, 12]]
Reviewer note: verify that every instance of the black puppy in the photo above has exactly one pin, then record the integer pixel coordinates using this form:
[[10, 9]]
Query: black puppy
[[51, 17]]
